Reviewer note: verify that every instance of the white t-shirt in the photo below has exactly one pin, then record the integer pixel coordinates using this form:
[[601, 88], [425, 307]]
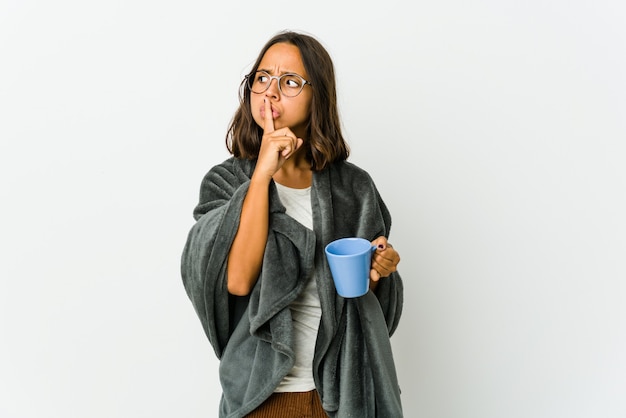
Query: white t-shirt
[[305, 310]]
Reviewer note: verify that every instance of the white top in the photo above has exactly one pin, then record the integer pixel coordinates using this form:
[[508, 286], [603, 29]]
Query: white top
[[305, 310]]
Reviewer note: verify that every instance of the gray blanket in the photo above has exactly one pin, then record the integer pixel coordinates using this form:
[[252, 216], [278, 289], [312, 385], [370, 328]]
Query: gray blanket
[[252, 336]]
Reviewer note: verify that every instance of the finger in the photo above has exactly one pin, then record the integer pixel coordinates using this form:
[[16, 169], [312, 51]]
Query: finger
[[374, 275], [268, 126], [287, 152], [380, 243], [381, 270], [388, 255], [384, 266]]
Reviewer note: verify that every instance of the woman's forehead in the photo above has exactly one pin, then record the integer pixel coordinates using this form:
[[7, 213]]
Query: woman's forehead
[[282, 58]]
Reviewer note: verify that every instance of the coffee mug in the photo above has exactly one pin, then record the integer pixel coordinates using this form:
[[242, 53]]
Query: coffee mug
[[350, 261]]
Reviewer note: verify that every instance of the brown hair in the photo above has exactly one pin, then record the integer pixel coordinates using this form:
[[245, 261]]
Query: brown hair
[[325, 142]]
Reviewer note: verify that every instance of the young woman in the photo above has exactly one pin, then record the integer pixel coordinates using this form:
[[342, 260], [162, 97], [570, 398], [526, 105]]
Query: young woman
[[254, 264]]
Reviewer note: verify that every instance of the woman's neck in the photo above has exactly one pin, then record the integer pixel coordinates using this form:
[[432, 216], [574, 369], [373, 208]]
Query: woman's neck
[[295, 173]]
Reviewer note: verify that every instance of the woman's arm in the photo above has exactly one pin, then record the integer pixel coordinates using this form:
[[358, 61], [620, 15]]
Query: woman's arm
[[246, 253]]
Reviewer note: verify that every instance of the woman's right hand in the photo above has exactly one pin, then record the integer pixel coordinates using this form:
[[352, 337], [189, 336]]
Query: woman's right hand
[[246, 253], [276, 146]]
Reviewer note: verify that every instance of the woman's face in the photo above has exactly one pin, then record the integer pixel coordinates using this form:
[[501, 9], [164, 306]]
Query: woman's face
[[291, 112]]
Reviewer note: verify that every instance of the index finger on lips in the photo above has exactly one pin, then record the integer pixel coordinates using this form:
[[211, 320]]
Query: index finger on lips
[[268, 126]]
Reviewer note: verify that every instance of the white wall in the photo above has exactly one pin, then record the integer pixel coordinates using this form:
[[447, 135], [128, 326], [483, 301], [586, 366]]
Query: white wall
[[494, 129]]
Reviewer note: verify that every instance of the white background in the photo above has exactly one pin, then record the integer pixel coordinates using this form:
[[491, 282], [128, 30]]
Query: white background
[[494, 130]]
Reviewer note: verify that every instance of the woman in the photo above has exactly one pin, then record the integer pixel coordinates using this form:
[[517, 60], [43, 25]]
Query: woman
[[254, 265]]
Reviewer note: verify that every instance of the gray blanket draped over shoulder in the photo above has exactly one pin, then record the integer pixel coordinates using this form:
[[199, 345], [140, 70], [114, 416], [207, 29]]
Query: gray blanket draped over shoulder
[[252, 336]]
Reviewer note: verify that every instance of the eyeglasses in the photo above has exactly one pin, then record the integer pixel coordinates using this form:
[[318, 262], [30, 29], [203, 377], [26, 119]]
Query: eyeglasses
[[290, 85]]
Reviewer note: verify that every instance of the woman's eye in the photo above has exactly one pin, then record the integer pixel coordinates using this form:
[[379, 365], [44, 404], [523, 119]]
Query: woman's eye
[[292, 82]]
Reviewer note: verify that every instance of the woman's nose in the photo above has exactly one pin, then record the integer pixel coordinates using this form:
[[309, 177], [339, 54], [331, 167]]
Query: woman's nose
[[273, 90]]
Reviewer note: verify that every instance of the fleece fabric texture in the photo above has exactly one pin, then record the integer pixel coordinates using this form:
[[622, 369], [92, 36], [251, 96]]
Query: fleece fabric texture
[[353, 366]]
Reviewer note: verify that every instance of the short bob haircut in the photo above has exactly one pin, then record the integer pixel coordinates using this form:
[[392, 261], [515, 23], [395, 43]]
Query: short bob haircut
[[325, 143]]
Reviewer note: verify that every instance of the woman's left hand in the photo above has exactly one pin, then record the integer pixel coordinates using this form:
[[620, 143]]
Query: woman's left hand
[[384, 260]]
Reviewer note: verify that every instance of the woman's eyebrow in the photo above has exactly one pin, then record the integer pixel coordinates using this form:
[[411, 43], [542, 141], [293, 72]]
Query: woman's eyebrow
[[281, 73]]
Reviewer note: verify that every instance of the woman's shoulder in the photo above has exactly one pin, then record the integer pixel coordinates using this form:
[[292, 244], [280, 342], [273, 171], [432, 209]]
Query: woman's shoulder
[[230, 163], [231, 167], [221, 182]]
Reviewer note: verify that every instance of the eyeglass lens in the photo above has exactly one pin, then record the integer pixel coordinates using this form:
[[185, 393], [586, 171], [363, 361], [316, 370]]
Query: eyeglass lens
[[289, 84]]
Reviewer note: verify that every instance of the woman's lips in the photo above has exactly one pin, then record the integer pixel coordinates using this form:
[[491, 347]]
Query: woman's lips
[[275, 113]]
